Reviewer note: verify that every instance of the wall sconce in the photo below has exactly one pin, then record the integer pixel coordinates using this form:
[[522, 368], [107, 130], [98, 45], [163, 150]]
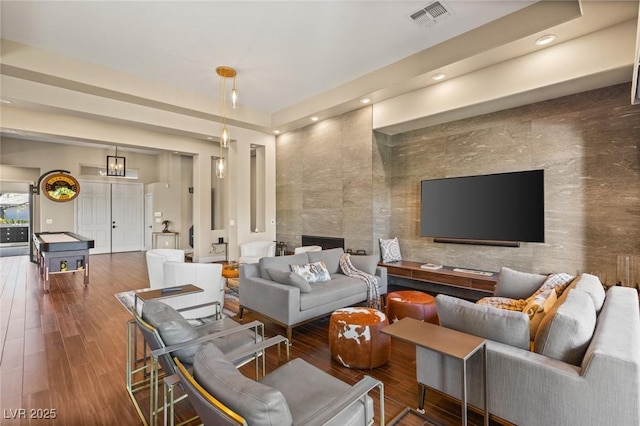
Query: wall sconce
[[116, 166]]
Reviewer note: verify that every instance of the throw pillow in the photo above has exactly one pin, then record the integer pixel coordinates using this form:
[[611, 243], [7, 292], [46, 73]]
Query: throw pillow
[[559, 282], [565, 332], [289, 278], [390, 250], [537, 308], [517, 285], [508, 327], [315, 272], [172, 327], [367, 264]]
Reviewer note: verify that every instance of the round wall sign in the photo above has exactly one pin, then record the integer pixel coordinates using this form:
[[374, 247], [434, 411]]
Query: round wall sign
[[61, 187]]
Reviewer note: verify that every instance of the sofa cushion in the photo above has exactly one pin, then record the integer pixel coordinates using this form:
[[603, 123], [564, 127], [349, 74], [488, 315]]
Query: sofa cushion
[[315, 272], [367, 264], [289, 278], [500, 325], [591, 285], [517, 285], [390, 250], [281, 262], [294, 380], [331, 258], [566, 331], [172, 327], [537, 308], [339, 287], [258, 403]]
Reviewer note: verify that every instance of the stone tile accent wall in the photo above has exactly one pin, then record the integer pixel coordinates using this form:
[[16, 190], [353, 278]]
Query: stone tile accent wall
[[588, 145], [324, 181], [339, 178]]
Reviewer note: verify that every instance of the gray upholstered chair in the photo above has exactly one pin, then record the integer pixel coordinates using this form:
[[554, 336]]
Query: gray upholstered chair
[[165, 328], [296, 393]]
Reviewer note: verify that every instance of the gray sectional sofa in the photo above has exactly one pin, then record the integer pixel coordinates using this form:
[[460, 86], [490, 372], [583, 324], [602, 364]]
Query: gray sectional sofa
[[584, 368], [269, 289]]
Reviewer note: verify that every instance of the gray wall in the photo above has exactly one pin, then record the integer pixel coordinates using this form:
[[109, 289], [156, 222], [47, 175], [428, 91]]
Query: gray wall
[[587, 144]]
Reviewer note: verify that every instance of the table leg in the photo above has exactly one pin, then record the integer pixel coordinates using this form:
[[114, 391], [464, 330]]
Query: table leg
[[486, 386], [86, 270], [421, 395], [46, 277], [464, 392]]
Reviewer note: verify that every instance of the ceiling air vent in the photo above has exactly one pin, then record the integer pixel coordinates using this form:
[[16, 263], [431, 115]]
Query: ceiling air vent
[[430, 14]]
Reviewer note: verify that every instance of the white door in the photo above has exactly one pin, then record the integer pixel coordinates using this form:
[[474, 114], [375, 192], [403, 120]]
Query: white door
[[111, 214], [126, 217], [148, 221], [94, 215]]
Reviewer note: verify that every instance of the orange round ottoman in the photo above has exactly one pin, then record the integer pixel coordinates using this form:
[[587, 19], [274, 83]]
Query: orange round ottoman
[[230, 270], [411, 303], [355, 339]]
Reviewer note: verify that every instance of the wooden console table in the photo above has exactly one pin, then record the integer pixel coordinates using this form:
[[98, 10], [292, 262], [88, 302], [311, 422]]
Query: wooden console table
[[445, 276]]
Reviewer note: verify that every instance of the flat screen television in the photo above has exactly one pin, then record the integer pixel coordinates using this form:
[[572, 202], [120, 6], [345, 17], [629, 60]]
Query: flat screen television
[[503, 207]]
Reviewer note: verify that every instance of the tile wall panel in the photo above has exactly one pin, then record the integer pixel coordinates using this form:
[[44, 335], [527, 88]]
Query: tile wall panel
[[588, 146], [340, 178], [333, 194]]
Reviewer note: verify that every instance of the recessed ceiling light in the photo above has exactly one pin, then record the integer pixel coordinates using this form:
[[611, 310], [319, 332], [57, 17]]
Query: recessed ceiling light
[[6, 101], [439, 76], [546, 39], [209, 138], [277, 132], [314, 118], [365, 100]]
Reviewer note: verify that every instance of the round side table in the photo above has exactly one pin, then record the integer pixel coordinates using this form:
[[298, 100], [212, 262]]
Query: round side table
[[411, 303], [355, 339]]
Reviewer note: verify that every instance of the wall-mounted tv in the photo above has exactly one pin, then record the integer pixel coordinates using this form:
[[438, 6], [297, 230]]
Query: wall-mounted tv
[[503, 207]]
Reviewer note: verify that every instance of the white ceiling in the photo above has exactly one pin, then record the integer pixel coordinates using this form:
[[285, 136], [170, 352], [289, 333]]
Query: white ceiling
[[284, 52], [299, 58]]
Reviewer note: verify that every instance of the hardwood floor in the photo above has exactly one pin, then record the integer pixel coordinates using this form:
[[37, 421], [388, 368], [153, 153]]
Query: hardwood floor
[[65, 350]]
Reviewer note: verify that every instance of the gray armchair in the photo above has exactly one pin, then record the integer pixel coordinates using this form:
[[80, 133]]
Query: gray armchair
[[166, 331], [296, 393]]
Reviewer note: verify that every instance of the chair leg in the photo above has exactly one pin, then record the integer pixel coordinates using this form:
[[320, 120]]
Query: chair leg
[[422, 394], [241, 313], [289, 334]]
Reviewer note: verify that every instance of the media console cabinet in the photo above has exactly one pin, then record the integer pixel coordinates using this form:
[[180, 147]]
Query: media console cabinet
[[445, 276]]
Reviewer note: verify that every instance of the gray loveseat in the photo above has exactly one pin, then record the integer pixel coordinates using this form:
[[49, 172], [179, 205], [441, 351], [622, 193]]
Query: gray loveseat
[[584, 368], [269, 289]]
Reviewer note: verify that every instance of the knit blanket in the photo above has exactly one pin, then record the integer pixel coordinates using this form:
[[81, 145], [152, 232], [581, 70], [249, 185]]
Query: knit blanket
[[373, 293]]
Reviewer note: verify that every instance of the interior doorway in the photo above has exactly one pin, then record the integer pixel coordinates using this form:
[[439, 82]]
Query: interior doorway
[[15, 220], [112, 215]]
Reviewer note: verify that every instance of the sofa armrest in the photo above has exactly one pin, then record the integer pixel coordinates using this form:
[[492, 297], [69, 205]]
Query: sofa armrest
[[276, 301], [381, 273]]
